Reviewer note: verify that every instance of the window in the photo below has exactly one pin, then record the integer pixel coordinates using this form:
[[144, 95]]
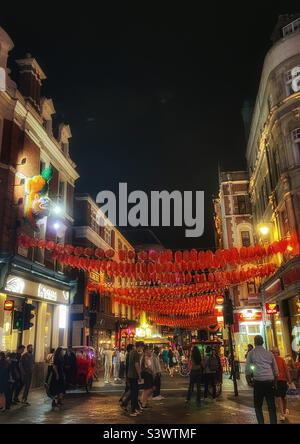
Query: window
[[291, 27], [251, 287], [120, 246], [292, 80], [241, 204], [246, 241], [107, 235], [296, 141], [61, 191]]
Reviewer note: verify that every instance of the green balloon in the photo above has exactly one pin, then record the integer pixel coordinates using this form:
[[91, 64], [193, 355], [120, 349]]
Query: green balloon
[[47, 174]]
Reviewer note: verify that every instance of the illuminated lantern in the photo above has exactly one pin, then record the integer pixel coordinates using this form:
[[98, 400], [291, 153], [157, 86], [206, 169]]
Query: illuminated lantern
[[169, 255], [186, 256], [153, 255], [178, 256], [42, 243], [131, 254], [88, 251], [109, 253], [203, 278], [69, 249], [78, 251], [99, 253], [50, 245], [211, 277], [121, 255], [193, 255]]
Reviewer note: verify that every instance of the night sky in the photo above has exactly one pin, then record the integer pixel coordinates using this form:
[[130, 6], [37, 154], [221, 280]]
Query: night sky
[[153, 96]]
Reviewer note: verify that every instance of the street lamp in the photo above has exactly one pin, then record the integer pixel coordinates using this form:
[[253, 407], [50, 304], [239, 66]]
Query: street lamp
[[264, 230]]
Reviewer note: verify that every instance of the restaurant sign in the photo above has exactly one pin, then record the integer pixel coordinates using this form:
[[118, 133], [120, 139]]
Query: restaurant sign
[[18, 285]]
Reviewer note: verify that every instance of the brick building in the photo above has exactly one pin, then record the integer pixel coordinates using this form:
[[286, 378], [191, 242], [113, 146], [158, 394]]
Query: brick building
[[96, 321], [40, 207], [233, 228]]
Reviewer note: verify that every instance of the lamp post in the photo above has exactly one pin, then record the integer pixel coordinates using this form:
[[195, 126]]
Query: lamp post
[[228, 320]]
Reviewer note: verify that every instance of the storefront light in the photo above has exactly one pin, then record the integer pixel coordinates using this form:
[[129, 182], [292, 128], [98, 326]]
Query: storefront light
[[62, 316], [57, 209]]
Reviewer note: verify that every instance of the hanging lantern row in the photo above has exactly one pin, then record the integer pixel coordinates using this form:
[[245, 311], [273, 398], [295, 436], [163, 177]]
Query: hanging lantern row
[[166, 261], [203, 305], [112, 269], [188, 322]]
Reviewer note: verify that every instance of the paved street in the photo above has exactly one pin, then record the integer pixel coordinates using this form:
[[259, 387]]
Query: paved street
[[101, 406]]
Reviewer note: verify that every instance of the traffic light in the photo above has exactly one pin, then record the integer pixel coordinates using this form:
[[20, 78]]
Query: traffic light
[[28, 308], [228, 310], [17, 320]]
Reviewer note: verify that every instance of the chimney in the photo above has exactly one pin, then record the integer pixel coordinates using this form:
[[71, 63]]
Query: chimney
[[30, 80]]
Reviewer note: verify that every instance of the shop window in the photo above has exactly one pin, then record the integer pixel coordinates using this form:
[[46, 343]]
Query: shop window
[[246, 241], [253, 329]]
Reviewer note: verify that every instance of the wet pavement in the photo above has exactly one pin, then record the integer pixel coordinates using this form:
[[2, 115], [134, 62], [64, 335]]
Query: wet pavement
[[101, 407]]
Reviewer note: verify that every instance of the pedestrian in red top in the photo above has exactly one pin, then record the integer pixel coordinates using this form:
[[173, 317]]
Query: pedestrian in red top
[[282, 383]]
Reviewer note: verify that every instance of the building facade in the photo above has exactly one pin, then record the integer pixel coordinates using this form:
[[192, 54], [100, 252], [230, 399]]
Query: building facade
[[234, 228], [96, 320], [273, 157], [37, 178]]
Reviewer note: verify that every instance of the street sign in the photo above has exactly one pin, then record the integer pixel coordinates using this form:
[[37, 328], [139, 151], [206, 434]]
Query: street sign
[[219, 300], [9, 305]]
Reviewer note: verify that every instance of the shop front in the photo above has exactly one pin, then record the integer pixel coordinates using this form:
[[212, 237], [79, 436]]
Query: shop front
[[49, 299], [283, 292], [247, 324], [125, 333]]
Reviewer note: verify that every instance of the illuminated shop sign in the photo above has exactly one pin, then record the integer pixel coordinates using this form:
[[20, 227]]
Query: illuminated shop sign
[[272, 309], [250, 315], [18, 285], [9, 305]]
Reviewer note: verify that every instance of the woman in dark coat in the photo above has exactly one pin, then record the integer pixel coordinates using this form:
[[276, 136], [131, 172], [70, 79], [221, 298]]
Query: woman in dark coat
[[56, 388], [4, 381]]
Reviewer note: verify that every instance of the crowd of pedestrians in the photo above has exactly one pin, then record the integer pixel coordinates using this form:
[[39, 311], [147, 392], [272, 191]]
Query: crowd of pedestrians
[[16, 371], [16, 374]]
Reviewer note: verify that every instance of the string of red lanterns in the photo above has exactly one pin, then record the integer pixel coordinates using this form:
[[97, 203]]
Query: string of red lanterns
[[166, 261]]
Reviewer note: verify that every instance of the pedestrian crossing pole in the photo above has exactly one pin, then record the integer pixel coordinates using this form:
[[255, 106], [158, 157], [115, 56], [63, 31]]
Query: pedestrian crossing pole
[[229, 321]]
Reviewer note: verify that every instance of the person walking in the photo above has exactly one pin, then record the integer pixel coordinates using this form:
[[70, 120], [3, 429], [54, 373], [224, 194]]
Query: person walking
[[134, 377], [262, 365], [116, 364], [211, 369], [122, 364], [147, 376], [69, 366], [172, 362], [4, 382], [195, 374], [283, 379], [108, 354], [165, 358], [249, 348], [27, 368], [57, 379], [156, 375], [49, 361], [125, 398], [18, 383]]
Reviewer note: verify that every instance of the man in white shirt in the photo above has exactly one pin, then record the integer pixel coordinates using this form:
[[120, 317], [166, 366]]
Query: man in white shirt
[[108, 354], [261, 365]]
